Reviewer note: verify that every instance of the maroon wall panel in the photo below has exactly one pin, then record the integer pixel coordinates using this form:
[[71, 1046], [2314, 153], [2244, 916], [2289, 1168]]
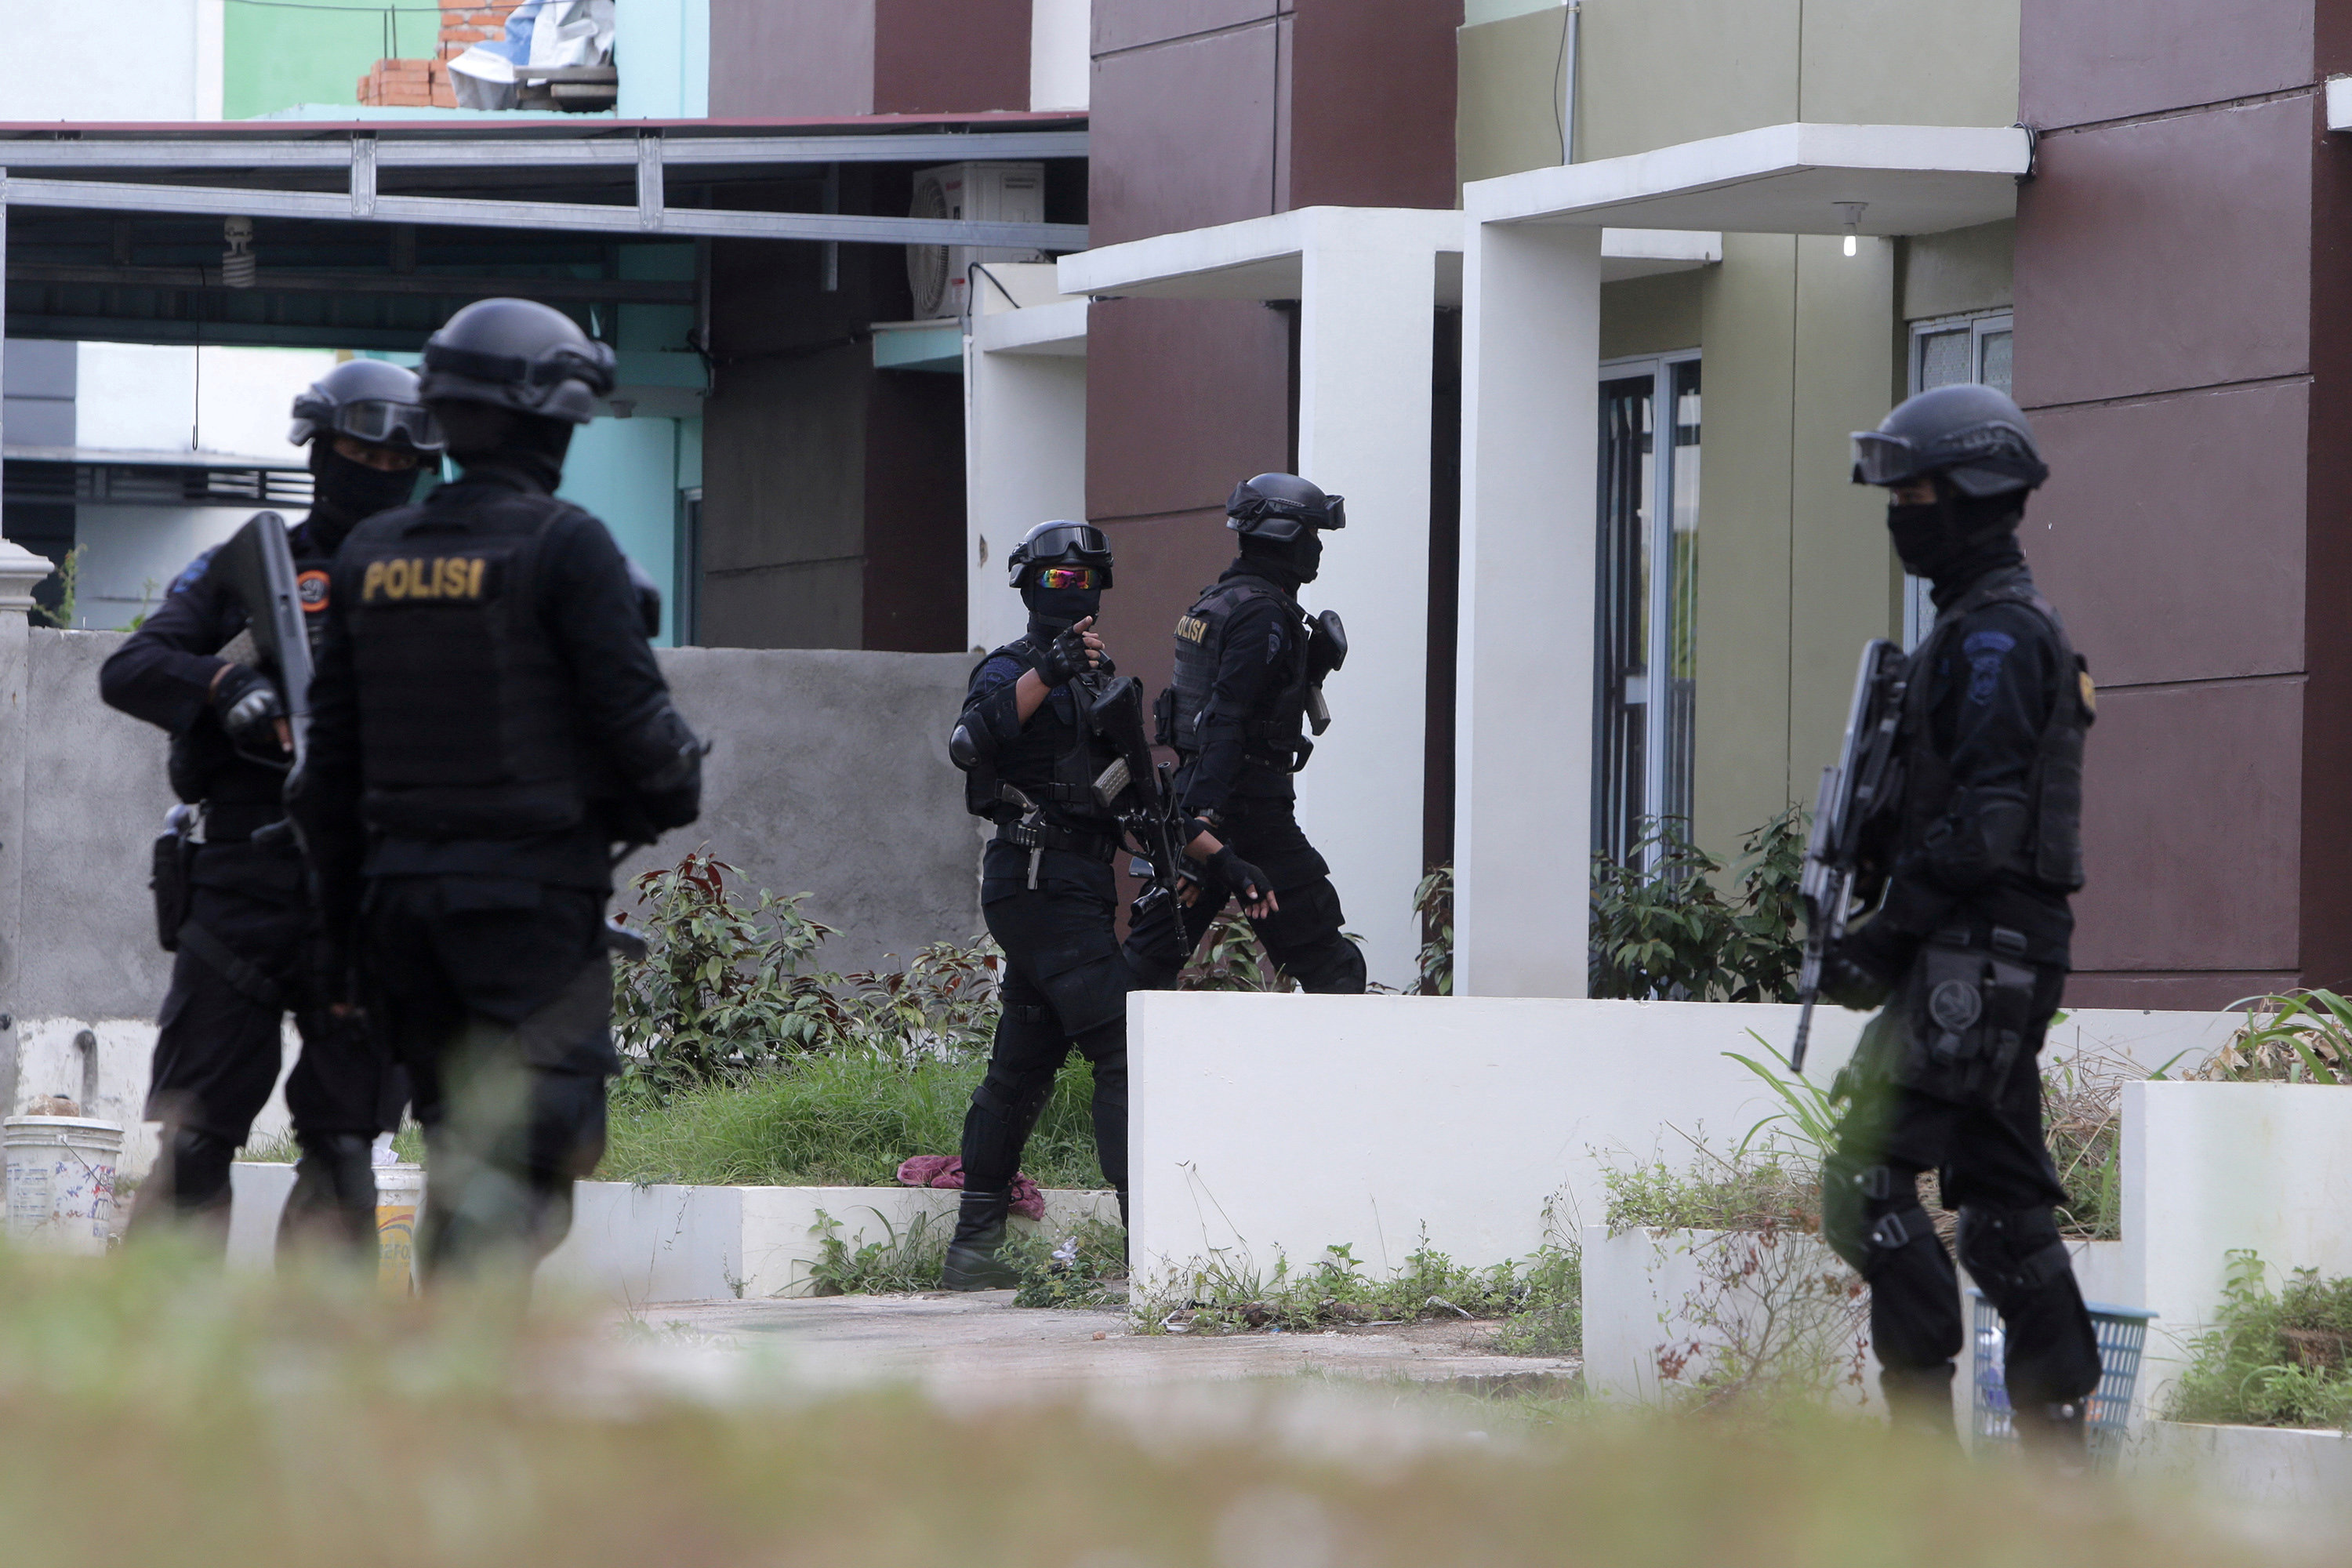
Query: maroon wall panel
[[786, 59], [914, 512], [950, 57], [1184, 398], [2191, 796], [1162, 564], [2171, 533], [2165, 255], [1182, 135], [2327, 563], [1373, 95], [2207, 991], [1132, 24], [2087, 61]]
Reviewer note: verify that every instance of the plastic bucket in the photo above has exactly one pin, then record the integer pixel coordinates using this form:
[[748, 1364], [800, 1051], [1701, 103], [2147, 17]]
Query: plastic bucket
[[60, 1181], [399, 1195]]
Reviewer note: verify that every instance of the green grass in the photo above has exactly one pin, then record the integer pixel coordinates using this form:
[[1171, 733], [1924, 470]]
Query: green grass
[[154, 1410], [845, 1120], [2251, 1372]]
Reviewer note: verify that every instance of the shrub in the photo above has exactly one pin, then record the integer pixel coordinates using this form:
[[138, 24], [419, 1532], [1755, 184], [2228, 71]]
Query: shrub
[[1662, 931], [2296, 1037], [2273, 1360]]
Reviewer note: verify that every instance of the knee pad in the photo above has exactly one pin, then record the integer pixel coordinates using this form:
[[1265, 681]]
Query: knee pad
[[1869, 1213], [2011, 1254]]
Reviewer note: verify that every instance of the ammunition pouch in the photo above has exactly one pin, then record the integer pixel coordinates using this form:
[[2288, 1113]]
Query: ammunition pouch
[[1029, 835], [169, 880], [1966, 1011], [1163, 717]]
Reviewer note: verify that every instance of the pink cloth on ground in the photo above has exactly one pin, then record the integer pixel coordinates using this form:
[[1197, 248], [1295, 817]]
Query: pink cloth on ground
[[947, 1170]]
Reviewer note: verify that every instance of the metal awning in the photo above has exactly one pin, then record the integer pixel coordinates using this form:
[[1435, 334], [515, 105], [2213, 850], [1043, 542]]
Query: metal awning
[[1781, 179]]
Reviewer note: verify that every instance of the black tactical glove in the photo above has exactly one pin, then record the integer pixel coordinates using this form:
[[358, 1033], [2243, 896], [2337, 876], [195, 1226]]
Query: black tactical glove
[[249, 710], [1861, 970], [1063, 658], [1245, 881]]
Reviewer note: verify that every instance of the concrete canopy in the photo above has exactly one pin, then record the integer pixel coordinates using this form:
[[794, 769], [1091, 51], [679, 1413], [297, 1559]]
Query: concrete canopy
[[1263, 258], [1781, 179]]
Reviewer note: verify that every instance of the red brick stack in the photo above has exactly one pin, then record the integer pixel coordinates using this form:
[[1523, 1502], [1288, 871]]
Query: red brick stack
[[423, 84]]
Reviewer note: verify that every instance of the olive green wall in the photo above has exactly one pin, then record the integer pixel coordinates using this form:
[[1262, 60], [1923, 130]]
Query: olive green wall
[[1802, 344], [274, 58]]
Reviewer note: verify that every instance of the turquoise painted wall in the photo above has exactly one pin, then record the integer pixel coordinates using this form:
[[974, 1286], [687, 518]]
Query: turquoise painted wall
[[625, 471], [663, 47], [274, 58]]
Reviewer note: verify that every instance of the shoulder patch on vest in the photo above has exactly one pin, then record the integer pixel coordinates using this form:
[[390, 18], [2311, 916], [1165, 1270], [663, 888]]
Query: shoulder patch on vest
[[1984, 651], [427, 579], [1191, 628], [194, 574], [2089, 690]]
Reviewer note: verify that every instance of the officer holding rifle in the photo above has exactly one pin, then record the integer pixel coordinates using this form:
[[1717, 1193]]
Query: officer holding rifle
[[1053, 750], [1957, 816]]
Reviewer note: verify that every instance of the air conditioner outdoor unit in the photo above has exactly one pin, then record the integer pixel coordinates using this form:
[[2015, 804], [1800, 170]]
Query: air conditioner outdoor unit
[[987, 193]]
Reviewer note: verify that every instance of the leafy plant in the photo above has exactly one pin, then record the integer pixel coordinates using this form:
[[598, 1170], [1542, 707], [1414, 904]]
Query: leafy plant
[[1231, 958], [2272, 1361], [1754, 1189], [2295, 1036], [896, 1264], [68, 577], [1075, 1269], [1432, 901], [1660, 929]]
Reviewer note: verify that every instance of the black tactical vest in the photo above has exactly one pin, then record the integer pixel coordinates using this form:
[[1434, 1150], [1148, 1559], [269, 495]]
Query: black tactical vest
[[1271, 738], [2050, 855], [468, 717], [1055, 762]]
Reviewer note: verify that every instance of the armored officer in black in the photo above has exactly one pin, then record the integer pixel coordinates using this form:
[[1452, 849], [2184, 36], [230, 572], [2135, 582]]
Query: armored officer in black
[[1031, 761], [1249, 668], [488, 723], [241, 917], [1980, 846]]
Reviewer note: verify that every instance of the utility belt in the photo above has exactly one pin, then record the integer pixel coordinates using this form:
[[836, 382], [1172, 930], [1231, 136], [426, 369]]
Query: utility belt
[[173, 882], [1037, 836], [1967, 1010]]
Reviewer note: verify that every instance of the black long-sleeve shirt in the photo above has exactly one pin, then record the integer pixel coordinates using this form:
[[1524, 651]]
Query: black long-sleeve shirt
[[1259, 644]]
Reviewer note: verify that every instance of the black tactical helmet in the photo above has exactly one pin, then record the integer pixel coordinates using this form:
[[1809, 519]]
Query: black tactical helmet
[[368, 400], [1062, 544], [518, 354], [1280, 507], [1972, 435]]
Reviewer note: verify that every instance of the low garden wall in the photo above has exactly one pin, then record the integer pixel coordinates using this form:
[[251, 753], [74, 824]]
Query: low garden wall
[[1267, 1126]]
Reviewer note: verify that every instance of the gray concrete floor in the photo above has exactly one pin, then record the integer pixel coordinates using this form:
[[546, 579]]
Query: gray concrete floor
[[974, 1341]]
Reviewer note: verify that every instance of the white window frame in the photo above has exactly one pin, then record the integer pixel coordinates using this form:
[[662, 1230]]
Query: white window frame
[[1654, 716], [1918, 609]]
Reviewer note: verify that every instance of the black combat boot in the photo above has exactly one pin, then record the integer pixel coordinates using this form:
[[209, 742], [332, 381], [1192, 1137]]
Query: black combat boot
[[972, 1263], [2054, 1434], [1919, 1400]]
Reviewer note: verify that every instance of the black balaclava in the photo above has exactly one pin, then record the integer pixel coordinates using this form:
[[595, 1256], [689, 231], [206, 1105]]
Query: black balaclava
[[524, 449], [1053, 611], [1289, 561], [345, 494], [1956, 539]]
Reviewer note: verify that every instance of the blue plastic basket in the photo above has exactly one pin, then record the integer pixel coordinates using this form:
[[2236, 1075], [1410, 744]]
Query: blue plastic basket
[[2122, 1331]]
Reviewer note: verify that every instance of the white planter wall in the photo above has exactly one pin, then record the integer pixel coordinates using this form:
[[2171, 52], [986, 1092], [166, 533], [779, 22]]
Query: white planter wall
[[1280, 1125]]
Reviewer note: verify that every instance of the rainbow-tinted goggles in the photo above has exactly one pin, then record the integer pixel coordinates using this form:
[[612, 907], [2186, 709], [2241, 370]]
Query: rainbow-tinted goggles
[[1069, 577]]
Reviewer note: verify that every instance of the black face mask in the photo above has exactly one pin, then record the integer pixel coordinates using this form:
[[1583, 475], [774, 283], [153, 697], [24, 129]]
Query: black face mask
[[1296, 560], [1059, 609], [1922, 540], [346, 493]]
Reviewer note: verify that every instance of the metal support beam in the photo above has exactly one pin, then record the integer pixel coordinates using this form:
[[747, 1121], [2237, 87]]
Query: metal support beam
[[362, 176], [605, 150], [470, 212], [649, 181], [430, 285]]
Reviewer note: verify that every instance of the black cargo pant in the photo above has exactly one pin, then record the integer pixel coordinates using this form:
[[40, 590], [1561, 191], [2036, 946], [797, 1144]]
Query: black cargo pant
[[218, 1048], [1994, 1168], [1303, 935], [496, 994], [1064, 988]]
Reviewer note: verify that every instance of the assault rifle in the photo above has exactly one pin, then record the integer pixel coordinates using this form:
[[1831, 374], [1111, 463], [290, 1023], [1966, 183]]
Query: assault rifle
[[255, 568], [1835, 874], [1133, 786]]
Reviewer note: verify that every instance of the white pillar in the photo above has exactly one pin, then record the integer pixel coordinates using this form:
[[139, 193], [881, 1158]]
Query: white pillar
[[1523, 768], [1367, 296], [19, 570], [1025, 462]]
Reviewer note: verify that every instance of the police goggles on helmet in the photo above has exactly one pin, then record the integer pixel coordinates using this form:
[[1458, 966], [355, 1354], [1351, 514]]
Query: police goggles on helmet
[[376, 421], [1882, 459], [1284, 521], [1072, 539], [1067, 577]]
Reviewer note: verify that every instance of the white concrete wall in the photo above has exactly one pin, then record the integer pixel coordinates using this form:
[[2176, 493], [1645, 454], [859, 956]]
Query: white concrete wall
[[136, 59], [1026, 462], [1061, 48], [1266, 1125], [2211, 1168], [157, 397], [131, 554], [1523, 751]]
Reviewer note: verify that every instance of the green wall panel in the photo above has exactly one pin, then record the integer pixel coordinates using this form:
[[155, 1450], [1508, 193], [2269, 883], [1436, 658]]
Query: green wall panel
[[273, 58]]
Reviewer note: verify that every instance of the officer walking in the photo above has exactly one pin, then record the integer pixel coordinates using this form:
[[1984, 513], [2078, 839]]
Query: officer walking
[[1969, 949], [488, 723], [1249, 662], [241, 953], [1030, 760]]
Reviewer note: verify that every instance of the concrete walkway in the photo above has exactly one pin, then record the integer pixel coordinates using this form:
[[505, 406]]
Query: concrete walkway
[[949, 1342]]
